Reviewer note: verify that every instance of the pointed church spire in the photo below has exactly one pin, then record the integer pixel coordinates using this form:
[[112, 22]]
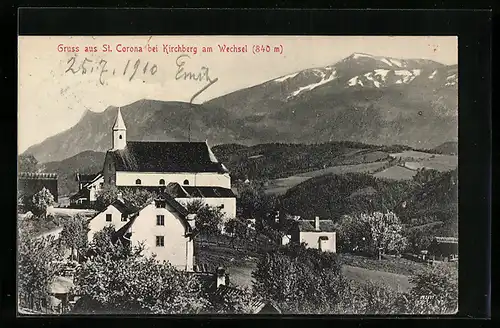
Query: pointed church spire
[[119, 124], [119, 132]]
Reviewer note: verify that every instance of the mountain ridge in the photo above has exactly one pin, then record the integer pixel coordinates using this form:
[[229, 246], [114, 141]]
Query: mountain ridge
[[360, 98]]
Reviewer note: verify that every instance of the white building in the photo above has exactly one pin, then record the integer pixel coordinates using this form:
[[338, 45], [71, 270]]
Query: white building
[[162, 226], [319, 234], [155, 164], [89, 187], [222, 198]]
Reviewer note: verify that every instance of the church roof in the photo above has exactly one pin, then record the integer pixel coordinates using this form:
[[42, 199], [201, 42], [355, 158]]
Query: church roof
[[149, 156], [200, 192], [119, 123]]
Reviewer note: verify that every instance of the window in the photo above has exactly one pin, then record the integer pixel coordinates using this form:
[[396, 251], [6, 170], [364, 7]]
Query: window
[[160, 220], [101, 185], [109, 217], [186, 182], [162, 182], [160, 241], [221, 206], [124, 218], [138, 181], [160, 204], [120, 137]]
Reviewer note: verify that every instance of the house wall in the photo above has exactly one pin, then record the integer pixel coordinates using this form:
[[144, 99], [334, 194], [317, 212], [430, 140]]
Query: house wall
[[99, 221], [178, 249], [312, 240], [108, 171], [94, 189], [229, 204], [153, 179]]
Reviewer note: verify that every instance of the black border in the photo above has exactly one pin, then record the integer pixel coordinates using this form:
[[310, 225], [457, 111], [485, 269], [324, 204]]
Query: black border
[[472, 27]]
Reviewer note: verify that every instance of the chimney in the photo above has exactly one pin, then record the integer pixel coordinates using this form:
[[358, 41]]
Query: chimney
[[221, 276], [119, 196], [316, 223]]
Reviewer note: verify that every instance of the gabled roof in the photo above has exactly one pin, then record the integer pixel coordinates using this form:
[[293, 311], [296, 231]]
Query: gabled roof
[[200, 192], [86, 177], [145, 156], [308, 226], [37, 176], [119, 123], [124, 208], [169, 200]]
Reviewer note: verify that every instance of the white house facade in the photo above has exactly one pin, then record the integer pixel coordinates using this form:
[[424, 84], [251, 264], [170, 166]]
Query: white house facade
[[162, 226]]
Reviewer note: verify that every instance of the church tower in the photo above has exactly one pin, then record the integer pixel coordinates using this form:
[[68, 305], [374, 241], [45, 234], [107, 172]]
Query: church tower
[[119, 132]]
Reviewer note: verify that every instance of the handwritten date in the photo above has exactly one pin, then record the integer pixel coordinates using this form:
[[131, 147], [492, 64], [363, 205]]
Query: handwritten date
[[87, 66]]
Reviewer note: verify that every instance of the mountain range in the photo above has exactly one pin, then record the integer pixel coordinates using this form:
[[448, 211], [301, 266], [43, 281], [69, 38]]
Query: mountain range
[[362, 98]]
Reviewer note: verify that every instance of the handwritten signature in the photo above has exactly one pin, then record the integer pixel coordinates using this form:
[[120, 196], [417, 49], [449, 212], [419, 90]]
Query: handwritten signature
[[201, 76], [88, 66]]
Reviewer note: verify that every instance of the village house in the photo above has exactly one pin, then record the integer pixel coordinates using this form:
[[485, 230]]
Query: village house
[[319, 234], [223, 198], [29, 183], [444, 248], [89, 186], [162, 226]]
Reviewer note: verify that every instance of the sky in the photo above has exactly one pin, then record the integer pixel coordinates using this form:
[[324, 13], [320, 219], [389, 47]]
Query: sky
[[54, 93]]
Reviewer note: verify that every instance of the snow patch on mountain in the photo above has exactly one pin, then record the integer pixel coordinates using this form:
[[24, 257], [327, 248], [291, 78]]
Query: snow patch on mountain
[[451, 80], [358, 55], [386, 61], [286, 77], [382, 73], [396, 62], [433, 74], [324, 79], [407, 75]]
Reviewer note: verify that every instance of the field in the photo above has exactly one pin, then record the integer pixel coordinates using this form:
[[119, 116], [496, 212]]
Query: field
[[280, 186], [397, 282], [396, 173]]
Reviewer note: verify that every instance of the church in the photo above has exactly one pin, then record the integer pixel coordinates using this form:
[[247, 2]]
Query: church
[[151, 164]]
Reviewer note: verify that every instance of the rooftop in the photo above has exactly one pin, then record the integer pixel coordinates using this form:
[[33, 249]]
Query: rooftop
[[149, 156], [324, 226], [37, 176]]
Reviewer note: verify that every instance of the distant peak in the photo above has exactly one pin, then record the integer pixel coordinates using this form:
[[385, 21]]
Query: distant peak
[[356, 55]]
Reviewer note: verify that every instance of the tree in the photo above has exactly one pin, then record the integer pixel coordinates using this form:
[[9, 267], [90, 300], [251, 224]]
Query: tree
[[299, 280], [40, 202], [36, 266], [103, 244], [239, 229], [425, 175], [435, 291], [136, 284], [27, 163], [194, 206], [137, 197], [106, 196], [254, 204], [209, 220], [232, 303], [74, 234], [374, 233]]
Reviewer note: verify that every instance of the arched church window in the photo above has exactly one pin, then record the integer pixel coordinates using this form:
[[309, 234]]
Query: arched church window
[[138, 181], [120, 137], [186, 182], [162, 182]]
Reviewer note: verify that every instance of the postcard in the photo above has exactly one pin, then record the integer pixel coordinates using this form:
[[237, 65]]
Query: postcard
[[237, 175]]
